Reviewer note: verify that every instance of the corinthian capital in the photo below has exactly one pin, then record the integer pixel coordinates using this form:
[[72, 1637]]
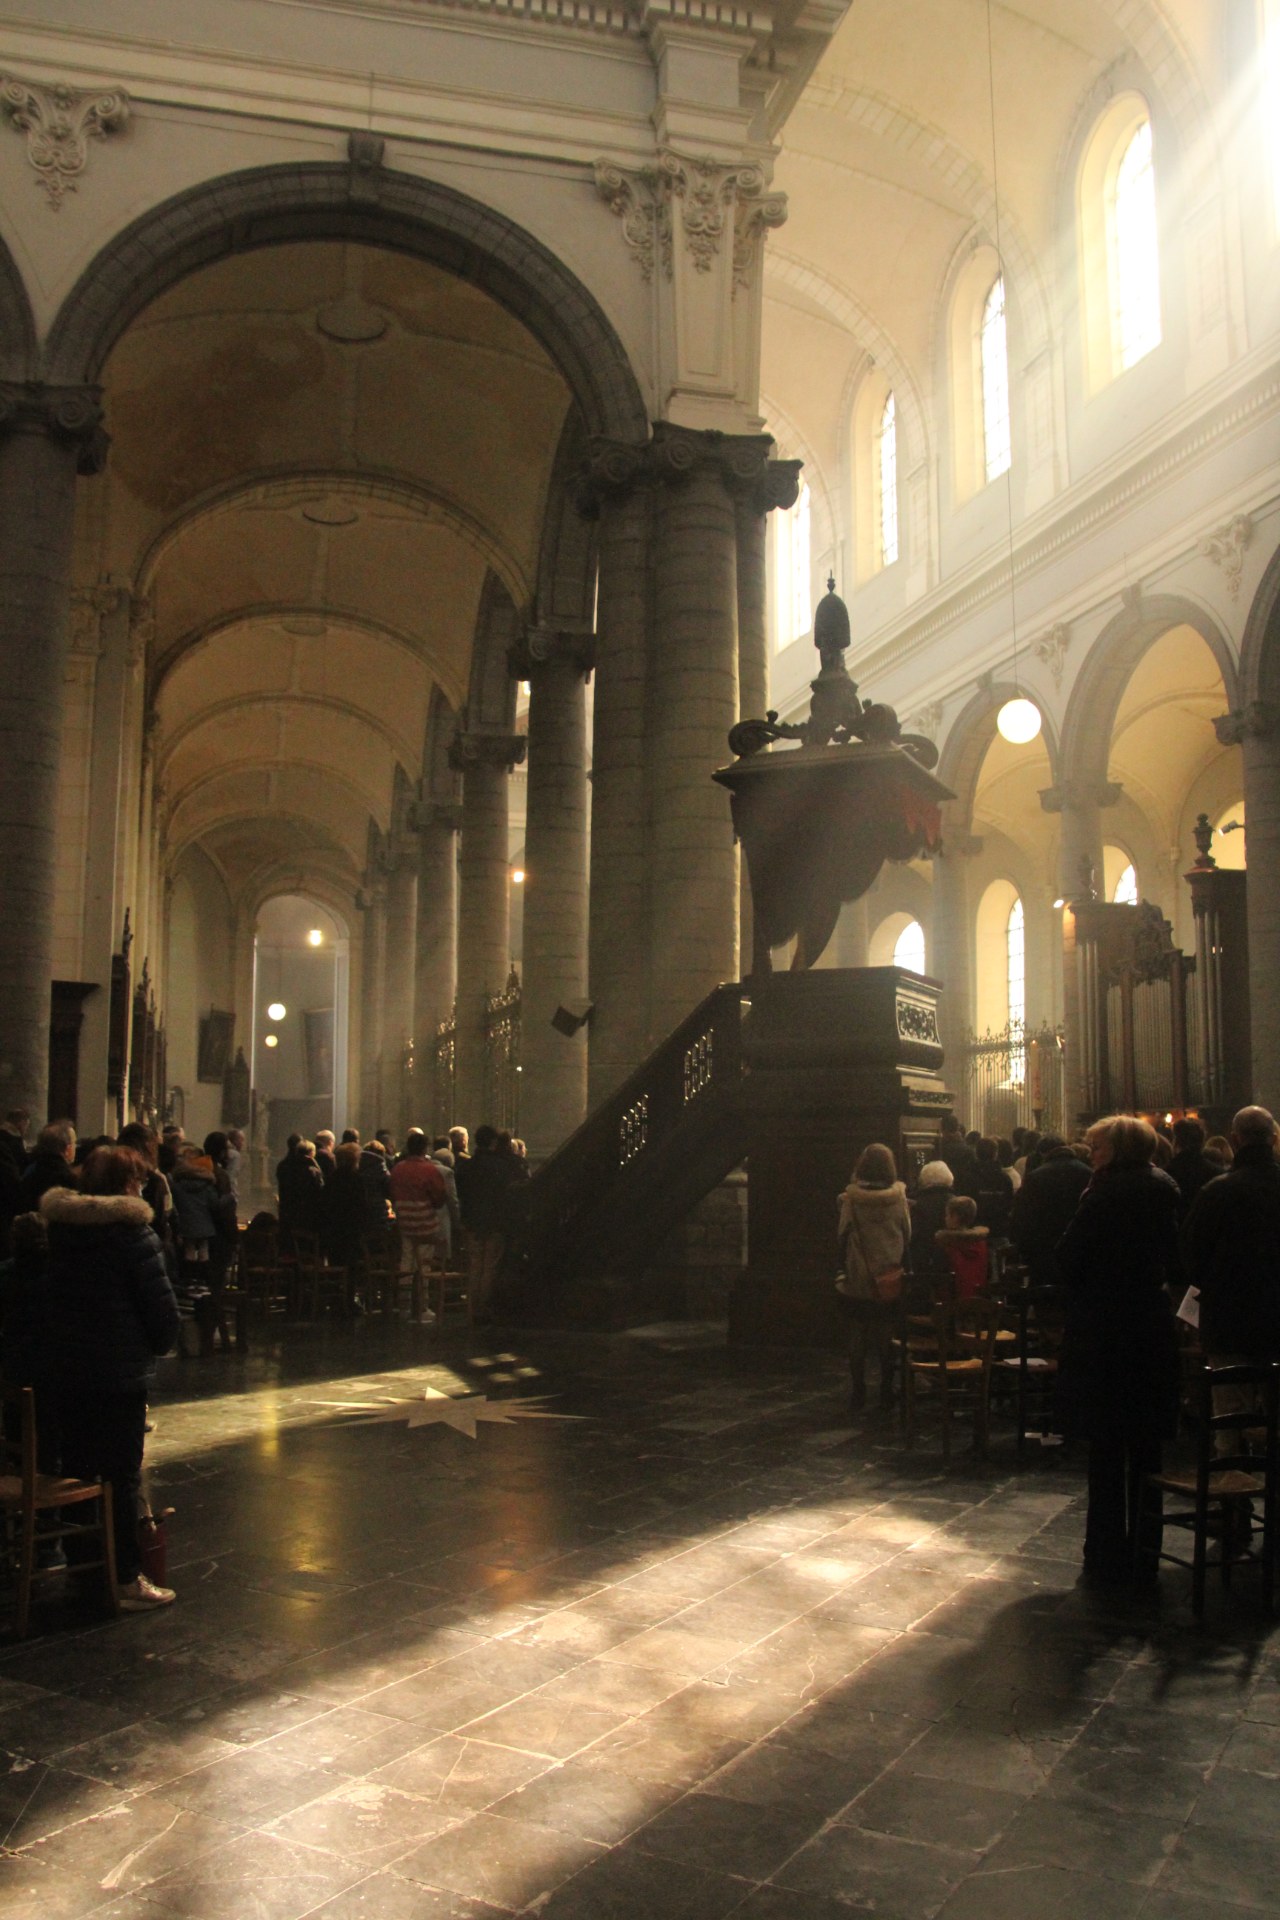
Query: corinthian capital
[[544, 642], [1077, 796], [480, 749], [72, 415], [706, 191], [59, 123]]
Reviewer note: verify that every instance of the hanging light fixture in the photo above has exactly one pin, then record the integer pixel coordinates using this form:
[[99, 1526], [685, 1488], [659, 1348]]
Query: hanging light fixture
[[1019, 719]]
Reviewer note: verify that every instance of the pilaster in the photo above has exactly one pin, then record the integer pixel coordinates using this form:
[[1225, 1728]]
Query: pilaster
[[484, 759], [1256, 729]]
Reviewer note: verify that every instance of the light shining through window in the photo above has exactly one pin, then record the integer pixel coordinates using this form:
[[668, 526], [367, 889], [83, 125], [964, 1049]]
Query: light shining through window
[[792, 600], [1016, 949], [1126, 893], [887, 490], [908, 948], [994, 355], [1135, 254]]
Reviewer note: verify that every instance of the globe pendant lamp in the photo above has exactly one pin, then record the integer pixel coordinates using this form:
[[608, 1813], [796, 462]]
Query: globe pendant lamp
[[1018, 721]]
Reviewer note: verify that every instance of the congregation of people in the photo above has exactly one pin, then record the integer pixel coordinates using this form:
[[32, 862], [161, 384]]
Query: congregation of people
[[114, 1252], [1135, 1227]]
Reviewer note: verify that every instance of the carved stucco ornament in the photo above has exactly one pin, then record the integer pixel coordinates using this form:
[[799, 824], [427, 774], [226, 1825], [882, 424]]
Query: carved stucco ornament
[[638, 196], [642, 198], [1051, 650], [59, 123], [1226, 548]]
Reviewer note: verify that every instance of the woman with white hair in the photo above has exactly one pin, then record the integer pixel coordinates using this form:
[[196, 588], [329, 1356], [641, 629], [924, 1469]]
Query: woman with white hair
[[874, 1233]]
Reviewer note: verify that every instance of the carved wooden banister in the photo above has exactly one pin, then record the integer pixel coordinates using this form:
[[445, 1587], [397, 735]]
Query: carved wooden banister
[[587, 1193]]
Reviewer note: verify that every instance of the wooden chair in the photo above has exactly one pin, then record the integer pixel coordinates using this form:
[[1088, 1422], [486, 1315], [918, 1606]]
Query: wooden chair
[[1218, 1495], [956, 1365], [379, 1272], [1039, 1315], [448, 1284], [262, 1279], [316, 1283], [28, 1499]]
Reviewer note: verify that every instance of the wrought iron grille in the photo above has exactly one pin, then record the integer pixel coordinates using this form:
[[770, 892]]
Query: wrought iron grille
[[1012, 1078]]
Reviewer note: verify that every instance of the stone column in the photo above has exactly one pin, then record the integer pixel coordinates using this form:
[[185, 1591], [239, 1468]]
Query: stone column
[[553, 1094], [778, 486], [373, 898], [612, 490], [484, 958], [1257, 731], [1080, 803], [47, 436], [397, 1001], [109, 609], [953, 939], [693, 704], [435, 985]]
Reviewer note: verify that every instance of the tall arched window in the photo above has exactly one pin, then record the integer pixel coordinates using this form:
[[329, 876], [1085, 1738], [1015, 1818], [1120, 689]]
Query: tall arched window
[[1126, 888], [1016, 958], [1119, 241], [792, 594], [994, 354], [1134, 253], [887, 479], [908, 950]]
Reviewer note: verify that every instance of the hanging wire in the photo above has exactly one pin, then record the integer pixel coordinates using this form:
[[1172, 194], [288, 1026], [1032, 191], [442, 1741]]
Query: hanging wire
[[1004, 286]]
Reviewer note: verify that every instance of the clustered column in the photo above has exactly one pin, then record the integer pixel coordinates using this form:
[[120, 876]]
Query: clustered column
[[1080, 803], [397, 1017], [554, 1091], [48, 435], [436, 970], [951, 933], [681, 655], [1258, 731], [484, 951]]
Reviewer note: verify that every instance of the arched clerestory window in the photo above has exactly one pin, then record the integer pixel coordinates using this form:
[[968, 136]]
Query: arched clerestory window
[[1119, 241], [993, 358], [792, 597], [887, 482]]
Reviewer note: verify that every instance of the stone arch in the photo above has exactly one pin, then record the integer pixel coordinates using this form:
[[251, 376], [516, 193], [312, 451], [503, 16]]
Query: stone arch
[[491, 696], [567, 561], [439, 779], [172, 658], [18, 348], [380, 207], [1260, 647], [282, 877], [241, 702], [279, 487], [969, 737], [1100, 684]]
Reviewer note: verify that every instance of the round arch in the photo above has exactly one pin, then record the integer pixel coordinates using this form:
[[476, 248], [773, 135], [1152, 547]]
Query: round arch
[[18, 350], [1099, 687], [241, 769], [282, 878], [243, 702], [971, 734], [268, 206], [172, 658], [1260, 647], [280, 487]]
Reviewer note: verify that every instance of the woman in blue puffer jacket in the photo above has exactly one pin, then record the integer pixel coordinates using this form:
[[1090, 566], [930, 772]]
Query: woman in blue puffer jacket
[[110, 1309]]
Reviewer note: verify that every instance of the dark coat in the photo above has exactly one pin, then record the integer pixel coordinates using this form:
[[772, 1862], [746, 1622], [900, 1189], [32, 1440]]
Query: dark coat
[[375, 1178], [346, 1210], [928, 1217], [995, 1198], [45, 1170], [1118, 1369], [483, 1182], [1192, 1170], [1232, 1244], [111, 1308], [301, 1194], [963, 1162], [1043, 1208]]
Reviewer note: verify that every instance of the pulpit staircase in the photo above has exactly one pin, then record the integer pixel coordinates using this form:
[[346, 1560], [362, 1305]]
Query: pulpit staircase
[[600, 1208]]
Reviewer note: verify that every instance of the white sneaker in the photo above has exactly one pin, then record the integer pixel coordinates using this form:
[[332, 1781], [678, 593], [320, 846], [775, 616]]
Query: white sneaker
[[141, 1596]]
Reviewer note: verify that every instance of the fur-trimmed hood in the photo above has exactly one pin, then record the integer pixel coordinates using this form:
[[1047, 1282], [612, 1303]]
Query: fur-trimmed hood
[[873, 1198], [64, 1207]]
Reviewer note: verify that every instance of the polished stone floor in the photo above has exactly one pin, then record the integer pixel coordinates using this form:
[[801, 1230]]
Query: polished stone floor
[[638, 1628]]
